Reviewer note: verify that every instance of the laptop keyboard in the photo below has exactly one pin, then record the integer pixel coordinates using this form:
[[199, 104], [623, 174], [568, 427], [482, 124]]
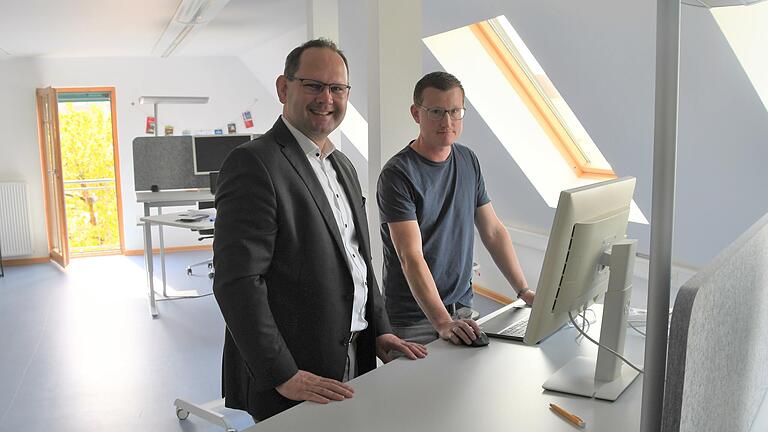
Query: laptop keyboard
[[517, 329]]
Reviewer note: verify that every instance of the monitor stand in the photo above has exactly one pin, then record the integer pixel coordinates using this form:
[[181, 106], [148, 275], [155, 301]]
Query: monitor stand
[[607, 377]]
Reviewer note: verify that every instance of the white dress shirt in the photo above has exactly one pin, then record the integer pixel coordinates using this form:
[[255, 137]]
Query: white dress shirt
[[342, 212]]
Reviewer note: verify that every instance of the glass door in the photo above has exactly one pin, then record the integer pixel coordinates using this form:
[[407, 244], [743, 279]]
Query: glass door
[[53, 185]]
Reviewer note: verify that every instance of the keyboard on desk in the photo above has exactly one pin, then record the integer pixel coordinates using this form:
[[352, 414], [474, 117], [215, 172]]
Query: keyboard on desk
[[516, 330], [194, 217], [509, 324]]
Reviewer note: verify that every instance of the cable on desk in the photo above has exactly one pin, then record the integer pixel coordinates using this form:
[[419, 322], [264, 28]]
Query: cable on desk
[[585, 323], [570, 316], [635, 328]]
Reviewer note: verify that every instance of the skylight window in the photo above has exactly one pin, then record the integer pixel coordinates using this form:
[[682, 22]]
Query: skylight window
[[512, 93], [498, 35]]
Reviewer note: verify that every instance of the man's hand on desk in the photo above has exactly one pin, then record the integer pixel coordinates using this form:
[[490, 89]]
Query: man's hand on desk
[[460, 331], [387, 342], [308, 386]]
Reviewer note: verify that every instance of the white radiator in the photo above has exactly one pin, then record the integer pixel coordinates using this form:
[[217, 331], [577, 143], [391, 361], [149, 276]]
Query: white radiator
[[15, 230]]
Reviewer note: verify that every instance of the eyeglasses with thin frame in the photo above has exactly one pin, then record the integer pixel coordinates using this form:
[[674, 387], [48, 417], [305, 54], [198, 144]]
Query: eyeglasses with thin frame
[[435, 113], [315, 87]]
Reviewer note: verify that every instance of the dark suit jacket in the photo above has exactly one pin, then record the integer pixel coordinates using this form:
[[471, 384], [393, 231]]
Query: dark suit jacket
[[282, 280]]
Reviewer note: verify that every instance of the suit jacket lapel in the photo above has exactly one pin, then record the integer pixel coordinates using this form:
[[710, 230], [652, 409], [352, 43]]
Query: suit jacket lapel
[[298, 160]]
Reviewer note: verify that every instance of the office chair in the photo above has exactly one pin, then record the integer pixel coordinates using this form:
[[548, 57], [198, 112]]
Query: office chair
[[208, 233]]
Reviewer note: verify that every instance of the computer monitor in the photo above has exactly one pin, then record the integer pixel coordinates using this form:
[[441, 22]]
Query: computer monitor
[[588, 255], [209, 151]]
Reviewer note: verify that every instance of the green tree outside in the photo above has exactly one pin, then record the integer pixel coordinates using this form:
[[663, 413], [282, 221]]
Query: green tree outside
[[88, 166]]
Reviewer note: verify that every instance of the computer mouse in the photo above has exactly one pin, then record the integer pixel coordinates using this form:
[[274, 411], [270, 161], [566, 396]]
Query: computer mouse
[[480, 341]]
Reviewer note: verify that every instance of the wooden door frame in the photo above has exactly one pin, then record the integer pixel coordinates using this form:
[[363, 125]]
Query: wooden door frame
[[61, 214], [115, 152]]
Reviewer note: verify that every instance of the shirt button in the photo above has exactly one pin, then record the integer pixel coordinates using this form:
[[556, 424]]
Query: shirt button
[[345, 225], [354, 256], [317, 154], [337, 195]]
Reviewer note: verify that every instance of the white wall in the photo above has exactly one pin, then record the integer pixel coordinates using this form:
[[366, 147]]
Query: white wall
[[226, 80], [19, 148], [353, 40], [722, 176]]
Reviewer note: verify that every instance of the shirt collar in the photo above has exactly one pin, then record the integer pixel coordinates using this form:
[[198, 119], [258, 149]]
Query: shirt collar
[[307, 145]]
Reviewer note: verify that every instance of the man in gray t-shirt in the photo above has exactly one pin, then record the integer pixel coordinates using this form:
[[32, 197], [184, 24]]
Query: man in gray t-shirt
[[430, 195]]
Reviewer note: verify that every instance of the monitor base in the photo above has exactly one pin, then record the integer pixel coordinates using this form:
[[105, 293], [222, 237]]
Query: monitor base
[[578, 377]]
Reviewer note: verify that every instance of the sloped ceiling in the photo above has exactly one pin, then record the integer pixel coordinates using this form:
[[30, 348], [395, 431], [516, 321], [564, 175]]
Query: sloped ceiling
[[119, 28]]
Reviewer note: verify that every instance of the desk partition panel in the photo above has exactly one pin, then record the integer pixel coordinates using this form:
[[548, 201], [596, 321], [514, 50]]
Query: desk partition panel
[[165, 162], [717, 361]]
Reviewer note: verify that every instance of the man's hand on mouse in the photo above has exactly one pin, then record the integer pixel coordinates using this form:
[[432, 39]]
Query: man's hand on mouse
[[460, 331]]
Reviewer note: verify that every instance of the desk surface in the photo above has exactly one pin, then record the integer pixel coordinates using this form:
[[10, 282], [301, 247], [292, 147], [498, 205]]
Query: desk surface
[[495, 388], [171, 219]]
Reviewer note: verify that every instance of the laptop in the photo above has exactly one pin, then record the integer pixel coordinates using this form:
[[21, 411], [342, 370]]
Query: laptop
[[510, 324]]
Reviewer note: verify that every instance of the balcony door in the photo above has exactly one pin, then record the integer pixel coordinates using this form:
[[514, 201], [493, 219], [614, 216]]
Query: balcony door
[[53, 184]]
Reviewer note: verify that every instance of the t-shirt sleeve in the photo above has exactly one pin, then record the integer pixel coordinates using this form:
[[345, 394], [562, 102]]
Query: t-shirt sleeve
[[394, 194], [481, 194]]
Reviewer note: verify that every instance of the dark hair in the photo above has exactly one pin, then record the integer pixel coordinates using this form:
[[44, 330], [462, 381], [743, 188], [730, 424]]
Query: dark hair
[[292, 61], [439, 80]]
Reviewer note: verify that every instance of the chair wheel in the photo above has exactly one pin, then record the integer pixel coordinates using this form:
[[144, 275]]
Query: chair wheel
[[210, 265], [182, 414], [211, 275], [189, 271]]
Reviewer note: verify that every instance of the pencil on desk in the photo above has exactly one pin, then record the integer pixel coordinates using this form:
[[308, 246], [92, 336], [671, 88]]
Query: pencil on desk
[[574, 419]]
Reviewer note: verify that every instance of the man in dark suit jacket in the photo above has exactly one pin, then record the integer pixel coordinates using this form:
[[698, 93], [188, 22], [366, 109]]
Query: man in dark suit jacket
[[294, 279]]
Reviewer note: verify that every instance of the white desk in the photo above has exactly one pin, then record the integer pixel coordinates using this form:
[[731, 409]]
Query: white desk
[[169, 198], [456, 388], [160, 220]]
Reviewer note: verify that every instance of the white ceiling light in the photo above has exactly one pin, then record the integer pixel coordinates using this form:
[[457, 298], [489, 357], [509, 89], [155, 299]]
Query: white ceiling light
[[173, 99], [190, 16]]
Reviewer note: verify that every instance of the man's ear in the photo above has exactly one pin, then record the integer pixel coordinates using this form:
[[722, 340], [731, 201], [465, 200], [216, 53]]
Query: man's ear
[[282, 88], [416, 113]]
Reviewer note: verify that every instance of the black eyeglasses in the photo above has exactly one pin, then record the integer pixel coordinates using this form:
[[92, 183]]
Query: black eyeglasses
[[435, 113], [315, 87]]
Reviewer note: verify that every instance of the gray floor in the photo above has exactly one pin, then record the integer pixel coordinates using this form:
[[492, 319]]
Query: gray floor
[[80, 352]]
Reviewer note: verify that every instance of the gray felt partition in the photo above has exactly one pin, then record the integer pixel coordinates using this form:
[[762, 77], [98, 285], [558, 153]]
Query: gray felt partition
[[717, 359], [165, 162]]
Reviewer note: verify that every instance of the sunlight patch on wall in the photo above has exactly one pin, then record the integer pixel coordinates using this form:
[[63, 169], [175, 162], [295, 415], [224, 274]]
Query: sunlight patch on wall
[[355, 128], [746, 29]]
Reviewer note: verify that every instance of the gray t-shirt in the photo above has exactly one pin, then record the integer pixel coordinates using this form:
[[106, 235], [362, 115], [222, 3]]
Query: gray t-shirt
[[442, 197]]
